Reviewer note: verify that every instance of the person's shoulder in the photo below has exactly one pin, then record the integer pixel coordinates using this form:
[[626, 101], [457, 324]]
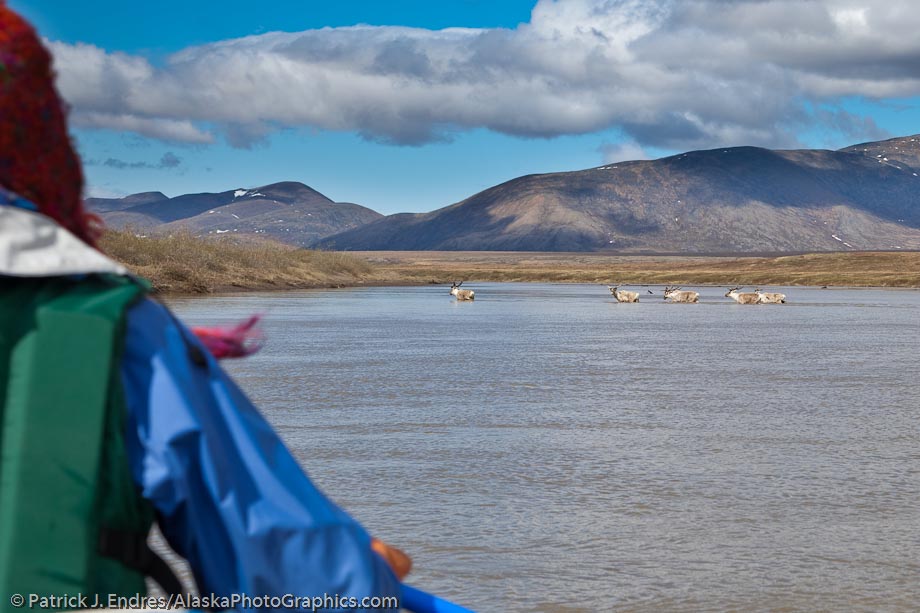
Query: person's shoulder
[[150, 322], [151, 308]]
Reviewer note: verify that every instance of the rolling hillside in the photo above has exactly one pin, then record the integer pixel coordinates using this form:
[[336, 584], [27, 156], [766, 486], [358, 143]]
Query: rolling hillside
[[735, 200]]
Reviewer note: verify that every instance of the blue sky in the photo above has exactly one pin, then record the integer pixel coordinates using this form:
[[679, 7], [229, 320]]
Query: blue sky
[[435, 101]]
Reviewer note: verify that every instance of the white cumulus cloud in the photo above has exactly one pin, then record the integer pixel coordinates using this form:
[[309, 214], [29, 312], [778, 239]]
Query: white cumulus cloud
[[623, 152], [667, 73]]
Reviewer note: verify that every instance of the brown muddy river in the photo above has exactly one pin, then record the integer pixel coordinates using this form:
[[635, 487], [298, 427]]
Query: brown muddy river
[[546, 449]]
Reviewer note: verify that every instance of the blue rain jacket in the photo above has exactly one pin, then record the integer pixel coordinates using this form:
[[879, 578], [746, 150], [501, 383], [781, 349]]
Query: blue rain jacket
[[231, 498]]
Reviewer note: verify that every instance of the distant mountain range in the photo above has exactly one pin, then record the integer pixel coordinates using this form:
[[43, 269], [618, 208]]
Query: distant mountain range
[[290, 212], [732, 200]]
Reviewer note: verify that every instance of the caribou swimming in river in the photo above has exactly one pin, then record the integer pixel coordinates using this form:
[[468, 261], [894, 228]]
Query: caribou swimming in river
[[623, 295], [461, 294], [771, 297], [742, 298], [675, 294]]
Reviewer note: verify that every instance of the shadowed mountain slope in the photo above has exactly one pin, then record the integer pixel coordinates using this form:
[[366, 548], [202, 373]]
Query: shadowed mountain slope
[[107, 205]]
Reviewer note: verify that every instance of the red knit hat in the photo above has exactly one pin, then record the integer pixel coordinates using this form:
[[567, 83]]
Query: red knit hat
[[37, 160]]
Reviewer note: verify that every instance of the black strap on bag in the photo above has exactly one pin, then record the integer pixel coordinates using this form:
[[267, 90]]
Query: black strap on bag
[[132, 550]]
